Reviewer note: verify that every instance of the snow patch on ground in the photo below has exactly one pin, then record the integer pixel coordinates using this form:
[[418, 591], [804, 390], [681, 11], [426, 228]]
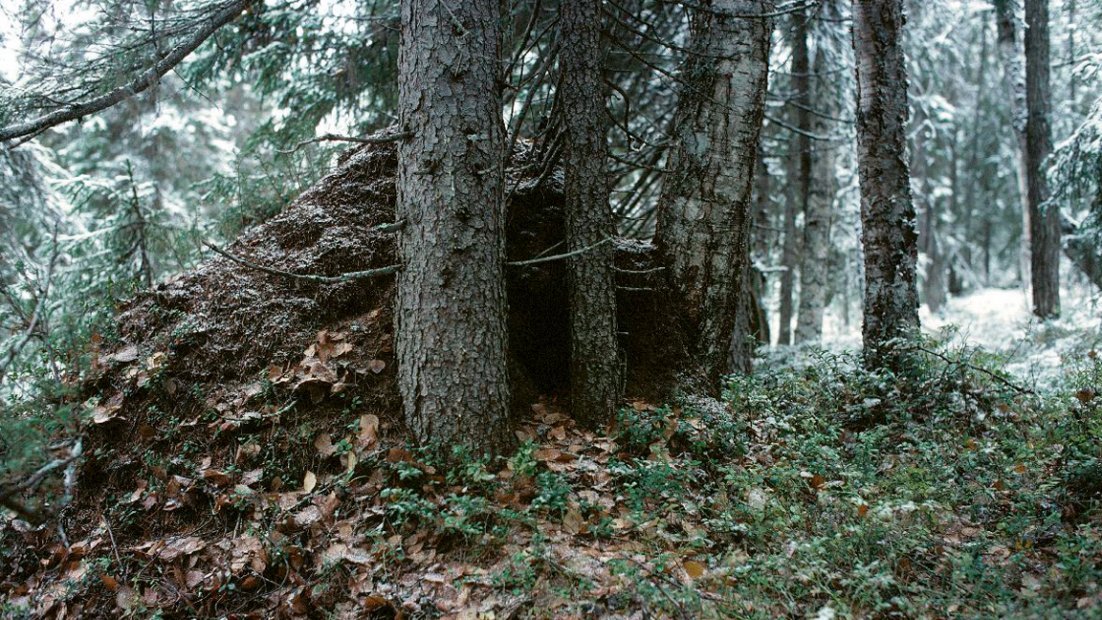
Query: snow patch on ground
[[999, 321]]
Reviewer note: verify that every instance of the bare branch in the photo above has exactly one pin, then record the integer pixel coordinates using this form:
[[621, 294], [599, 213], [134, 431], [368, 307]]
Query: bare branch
[[332, 137], [344, 277]]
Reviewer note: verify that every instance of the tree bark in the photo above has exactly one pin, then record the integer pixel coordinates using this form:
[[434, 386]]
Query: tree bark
[[703, 231], [451, 309], [1014, 82], [887, 211], [595, 360], [799, 175], [1044, 219], [817, 215]]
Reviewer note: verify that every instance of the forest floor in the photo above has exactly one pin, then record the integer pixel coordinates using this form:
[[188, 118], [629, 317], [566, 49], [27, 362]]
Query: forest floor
[[813, 489], [243, 457]]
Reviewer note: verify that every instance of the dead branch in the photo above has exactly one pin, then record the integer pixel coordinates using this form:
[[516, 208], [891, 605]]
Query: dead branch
[[344, 277], [332, 137]]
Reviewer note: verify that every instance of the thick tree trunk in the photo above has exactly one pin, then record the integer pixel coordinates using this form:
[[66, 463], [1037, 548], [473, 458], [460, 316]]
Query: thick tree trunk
[[820, 202], [1044, 219], [887, 211], [451, 310], [703, 231], [799, 175], [595, 366]]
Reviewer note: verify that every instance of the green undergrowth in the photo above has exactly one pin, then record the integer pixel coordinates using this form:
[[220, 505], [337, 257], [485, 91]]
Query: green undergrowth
[[812, 488]]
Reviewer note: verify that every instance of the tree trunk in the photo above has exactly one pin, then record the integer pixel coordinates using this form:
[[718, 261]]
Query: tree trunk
[[799, 175], [1014, 82], [820, 201], [595, 368], [451, 310], [761, 223], [703, 231], [887, 211], [1044, 219]]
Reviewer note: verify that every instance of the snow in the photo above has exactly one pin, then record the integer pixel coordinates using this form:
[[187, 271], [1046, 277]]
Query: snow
[[998, 320]]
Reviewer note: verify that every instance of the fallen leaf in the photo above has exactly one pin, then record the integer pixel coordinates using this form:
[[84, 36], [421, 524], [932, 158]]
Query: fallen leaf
[[324, 444], [369, 430], [694, 569], [125, 355], [309, 481]]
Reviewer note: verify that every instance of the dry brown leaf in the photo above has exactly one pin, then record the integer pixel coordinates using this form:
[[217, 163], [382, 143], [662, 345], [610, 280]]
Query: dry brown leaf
[[309, 481], [694, 569], [324, 444], [108, 411], [369, 430], [125, 355]]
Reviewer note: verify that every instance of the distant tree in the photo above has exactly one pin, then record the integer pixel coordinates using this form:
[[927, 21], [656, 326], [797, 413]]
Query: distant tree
[[799, 172], [887, 212], [451, 312], [814, 267], [595, 368], [1043, 217], [1027, 88], [703, 228]]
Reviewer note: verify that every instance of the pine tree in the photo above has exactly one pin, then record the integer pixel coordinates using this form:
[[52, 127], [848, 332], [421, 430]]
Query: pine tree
[[451, 309], [595, 369]]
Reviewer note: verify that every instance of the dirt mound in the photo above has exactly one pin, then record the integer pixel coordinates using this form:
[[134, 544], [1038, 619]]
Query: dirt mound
[[230, 391]]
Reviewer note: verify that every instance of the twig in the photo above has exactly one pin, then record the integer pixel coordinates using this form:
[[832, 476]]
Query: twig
[[332, 137], [980, 369], [547, 259], [344, 277]]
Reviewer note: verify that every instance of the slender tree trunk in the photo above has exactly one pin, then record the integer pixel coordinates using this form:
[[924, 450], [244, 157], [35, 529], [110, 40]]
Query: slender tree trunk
[[451, 310], [595, 369], [933, 282], [759, 251], [703, 228], [820, 202], [799, 175], [1044, 219], [887, 211]]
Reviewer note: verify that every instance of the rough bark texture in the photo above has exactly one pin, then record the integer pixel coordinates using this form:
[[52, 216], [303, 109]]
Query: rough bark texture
[[704, 215], [595, 362], [451, 310], [887, 211], [1044, 219], [820, 201], [799, 176]]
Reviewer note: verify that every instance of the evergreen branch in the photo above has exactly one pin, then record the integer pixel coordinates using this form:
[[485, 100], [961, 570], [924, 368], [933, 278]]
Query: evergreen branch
[[202, 31], [36, 316]]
